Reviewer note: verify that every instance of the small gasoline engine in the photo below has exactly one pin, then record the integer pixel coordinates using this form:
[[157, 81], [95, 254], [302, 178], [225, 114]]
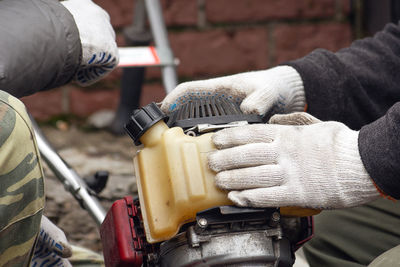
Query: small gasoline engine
[[181, 218]]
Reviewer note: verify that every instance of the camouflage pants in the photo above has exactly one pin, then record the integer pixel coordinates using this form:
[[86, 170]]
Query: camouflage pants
[[21, 184]]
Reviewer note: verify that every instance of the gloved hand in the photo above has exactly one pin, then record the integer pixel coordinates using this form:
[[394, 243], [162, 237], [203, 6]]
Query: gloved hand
[[52, 247], [99, 49], [313, 166], [280, 89]]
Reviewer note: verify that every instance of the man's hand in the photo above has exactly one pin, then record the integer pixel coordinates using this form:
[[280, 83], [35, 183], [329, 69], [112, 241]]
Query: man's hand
[[52, 247], [314, 166], [280, 89], [99, 49]]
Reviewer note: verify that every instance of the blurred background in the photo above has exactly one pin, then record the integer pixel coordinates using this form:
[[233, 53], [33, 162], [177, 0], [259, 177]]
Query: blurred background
[[218, 37], [210, 38]]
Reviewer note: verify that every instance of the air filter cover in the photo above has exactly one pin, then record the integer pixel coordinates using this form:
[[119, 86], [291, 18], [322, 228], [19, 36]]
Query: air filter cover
[[209, 111]]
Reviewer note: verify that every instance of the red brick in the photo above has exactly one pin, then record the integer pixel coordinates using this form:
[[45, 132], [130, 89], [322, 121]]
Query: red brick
[[260, 10], [84, 102], [294, 41], [153, 92], [44, 105], [175, 12], [216, 52], [345, 6], [112, 79], [120, 39], [120, 11], [180, 12], [153, 73]]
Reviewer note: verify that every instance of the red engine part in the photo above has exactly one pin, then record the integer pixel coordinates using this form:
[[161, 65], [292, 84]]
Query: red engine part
[[124, 242], [122, 234]]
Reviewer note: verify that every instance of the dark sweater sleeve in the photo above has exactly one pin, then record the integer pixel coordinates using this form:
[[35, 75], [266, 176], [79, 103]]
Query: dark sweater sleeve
[[360, 86], [39, 46], [379, 146], [355, 85]]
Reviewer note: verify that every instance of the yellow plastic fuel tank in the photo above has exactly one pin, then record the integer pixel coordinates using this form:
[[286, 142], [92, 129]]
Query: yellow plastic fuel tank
[[174, 181]]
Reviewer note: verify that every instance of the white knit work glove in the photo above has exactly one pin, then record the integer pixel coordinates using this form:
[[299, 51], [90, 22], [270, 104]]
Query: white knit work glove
[[99, 49], [52, 247], [313, 166], [280, 89]]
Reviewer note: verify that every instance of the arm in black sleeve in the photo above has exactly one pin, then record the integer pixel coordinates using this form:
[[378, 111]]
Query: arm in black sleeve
[[360, 86], [355, 85], [39, 46], [379, 146]]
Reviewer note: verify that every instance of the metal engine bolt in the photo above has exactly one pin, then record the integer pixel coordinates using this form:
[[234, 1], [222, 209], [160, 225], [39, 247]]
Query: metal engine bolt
[[275, 218], [202, 223], [191, 133]]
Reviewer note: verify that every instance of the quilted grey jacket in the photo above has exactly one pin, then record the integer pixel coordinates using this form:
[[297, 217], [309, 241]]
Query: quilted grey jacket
[[39, 46]]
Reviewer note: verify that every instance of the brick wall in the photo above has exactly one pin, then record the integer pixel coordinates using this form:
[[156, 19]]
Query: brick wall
[[213, 38]]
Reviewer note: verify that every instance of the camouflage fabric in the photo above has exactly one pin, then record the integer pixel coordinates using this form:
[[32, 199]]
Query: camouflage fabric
[[21, 184]]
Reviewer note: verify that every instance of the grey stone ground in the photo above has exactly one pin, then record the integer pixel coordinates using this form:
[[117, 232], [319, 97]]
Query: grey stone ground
[[87, 152]]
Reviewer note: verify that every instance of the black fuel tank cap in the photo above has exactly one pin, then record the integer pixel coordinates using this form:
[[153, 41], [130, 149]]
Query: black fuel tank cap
[[142, 119]]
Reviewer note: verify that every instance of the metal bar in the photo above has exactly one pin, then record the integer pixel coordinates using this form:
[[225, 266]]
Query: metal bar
[[71, 180], [160, 36]]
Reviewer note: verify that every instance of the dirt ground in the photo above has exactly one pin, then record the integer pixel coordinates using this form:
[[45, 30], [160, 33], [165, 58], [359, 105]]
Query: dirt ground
[[87, 152]]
